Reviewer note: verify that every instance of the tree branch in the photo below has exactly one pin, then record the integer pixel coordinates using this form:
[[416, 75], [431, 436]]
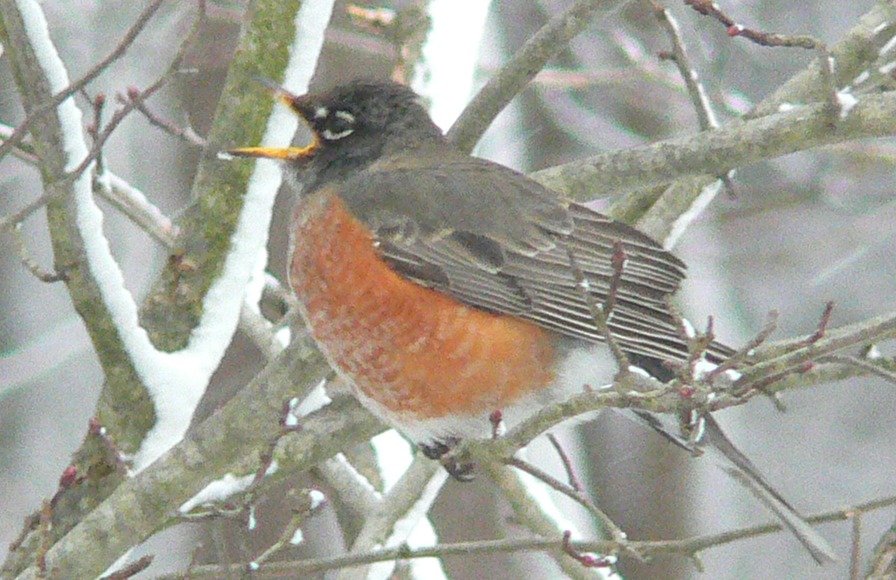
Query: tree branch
[[651, 548], [37, 108], [522, 68], [734, 144], [228, 441]]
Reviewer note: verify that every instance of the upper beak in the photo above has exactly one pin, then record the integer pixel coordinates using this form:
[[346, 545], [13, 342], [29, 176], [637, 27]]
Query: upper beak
[[299, 105]]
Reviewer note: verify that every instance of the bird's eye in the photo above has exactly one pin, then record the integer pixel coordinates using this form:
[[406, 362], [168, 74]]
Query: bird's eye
[[337, 125]]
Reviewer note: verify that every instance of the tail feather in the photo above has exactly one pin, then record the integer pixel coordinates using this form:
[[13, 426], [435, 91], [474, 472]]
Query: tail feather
[[743, 470], [739, 467]]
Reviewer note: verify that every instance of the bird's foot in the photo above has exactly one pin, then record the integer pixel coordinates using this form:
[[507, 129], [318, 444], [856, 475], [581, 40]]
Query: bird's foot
[[444, 453]]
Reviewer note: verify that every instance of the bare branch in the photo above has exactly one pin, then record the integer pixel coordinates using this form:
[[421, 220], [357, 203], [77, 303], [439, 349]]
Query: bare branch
[[710, 8], [854, 54], [34, 111], [571, 475], [131, 569], [883, 561], [578, 496], [684, 547], [25, 257], [521, 69], [306, 507], [696, 91], [185, 134], [101, 136], [732, 145], [746, 351], [855, 552], [586, 560], [822, 324], [865, 365], [837, 340], [93, 128], [598, 315]]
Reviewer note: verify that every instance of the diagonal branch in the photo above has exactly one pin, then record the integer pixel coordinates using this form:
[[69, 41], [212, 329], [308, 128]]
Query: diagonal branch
[[36, 110], [834, 341], [734, 144], [521, 69]]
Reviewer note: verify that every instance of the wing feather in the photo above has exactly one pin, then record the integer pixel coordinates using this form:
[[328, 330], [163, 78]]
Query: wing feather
[[502, 244]]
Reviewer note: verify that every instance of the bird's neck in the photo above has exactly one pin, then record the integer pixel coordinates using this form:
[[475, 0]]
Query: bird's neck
[[333, 163]]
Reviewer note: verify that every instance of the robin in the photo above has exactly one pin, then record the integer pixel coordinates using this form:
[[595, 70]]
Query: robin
[[444, 287]]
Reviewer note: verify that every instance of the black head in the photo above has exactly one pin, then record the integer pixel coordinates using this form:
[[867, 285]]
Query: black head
[[353, 114], [353, 125]]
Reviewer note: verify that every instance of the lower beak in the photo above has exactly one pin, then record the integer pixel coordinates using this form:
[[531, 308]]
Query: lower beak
[[300, 106]]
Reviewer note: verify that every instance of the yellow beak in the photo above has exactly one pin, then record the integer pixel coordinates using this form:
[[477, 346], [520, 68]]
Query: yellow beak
[[282, 153]]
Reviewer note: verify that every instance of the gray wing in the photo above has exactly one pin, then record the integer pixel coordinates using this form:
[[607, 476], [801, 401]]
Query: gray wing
[[503, 245]]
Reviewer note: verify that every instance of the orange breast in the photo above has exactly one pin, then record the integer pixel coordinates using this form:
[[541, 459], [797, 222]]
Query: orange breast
[[416, 351]]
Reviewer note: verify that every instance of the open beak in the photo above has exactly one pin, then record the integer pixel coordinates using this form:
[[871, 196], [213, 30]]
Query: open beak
[[281, 153], [299, 105]]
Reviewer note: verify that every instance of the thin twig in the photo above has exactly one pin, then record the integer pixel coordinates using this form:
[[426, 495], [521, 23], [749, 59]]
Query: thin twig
[[597, 314], [185, 134], [686, 546], [578, 496], [133, 204], [698, 345], [771, 323], [822, 324], [23, 151], [136, 207], [705, 115], [711, 9], [131, 569], [834, 341], [46, 540], [865, 365], [804, 366], [31, 264], [617, 261], [778, 363], [410, 498], [122, 195], [882, 563], [519, 70], [585, 559], [309, 506], [571, 474], [732, 145], [10, 221], [102, 136], [855, 552], [97, 104], [136, 97], [770, 39], [696, 342], [126, 41]]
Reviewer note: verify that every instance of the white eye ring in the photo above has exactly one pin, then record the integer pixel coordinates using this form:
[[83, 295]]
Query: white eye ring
[[321, 113], [345, 116], [342, 116], [331, 136]]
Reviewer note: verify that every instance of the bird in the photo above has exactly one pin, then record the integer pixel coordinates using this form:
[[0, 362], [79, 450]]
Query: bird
[[445, 287]]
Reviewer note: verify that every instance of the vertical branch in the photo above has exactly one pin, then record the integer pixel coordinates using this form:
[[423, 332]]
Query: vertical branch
[[149, 397]]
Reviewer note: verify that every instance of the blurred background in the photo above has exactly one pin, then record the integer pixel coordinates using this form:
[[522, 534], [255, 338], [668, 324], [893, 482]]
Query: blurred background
[[801, 230]]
